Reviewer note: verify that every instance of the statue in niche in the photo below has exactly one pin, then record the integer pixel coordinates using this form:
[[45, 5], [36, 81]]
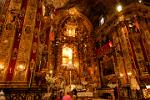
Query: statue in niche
[[42, 37], [18, 21], [143, 68], [14, 53], [34, 47], [44, 58], [43, 51], [49, 9]]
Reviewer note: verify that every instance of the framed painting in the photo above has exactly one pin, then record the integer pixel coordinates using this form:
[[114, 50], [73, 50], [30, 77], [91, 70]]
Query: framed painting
[[108, 67]]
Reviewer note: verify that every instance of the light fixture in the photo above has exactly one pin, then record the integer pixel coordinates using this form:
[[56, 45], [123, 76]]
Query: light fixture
[[110, 43], [51, 71], [119, 8], [129, 73], [148, 86], [21, 67], [140, 1], [5, 41], [121, 75], [1, 67], [76, 64], [102, 21]]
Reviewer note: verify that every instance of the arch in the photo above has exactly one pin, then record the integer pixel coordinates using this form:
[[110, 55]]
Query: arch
[[62, 16]]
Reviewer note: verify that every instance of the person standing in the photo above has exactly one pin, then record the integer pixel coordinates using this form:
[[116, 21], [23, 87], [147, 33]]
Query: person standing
[[75, 93], [67, 97]]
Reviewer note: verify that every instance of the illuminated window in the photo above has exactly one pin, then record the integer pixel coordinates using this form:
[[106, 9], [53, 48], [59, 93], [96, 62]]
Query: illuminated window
[[101, 21]]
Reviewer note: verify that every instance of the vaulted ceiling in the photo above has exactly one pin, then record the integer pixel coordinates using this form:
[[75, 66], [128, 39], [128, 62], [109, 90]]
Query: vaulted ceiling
[[94, 9]]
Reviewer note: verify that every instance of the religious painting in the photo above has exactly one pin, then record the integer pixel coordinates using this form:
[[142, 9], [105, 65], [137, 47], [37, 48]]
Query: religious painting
[[108, 67]]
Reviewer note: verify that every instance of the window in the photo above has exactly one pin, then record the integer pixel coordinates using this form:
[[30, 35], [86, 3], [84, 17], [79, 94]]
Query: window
[[101, 20]]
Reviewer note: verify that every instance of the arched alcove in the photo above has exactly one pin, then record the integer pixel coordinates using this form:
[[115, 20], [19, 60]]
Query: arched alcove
[[74, 31]]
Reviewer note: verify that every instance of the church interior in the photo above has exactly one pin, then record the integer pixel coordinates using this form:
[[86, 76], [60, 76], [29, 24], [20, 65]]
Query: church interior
[[93, 49]]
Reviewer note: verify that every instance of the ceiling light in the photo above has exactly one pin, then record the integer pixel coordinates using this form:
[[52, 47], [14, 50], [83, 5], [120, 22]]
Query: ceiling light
[[140, 1], [119, 8], [102, 20]]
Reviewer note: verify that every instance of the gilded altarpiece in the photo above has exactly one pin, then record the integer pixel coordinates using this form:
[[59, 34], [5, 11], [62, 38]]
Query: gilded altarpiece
[[74, 32]]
